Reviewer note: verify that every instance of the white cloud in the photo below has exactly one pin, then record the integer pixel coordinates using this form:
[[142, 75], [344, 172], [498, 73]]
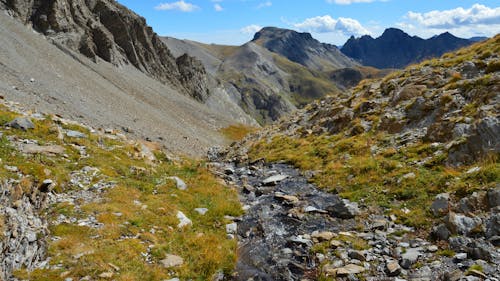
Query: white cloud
[[348, 2], [475, 15], [478, 20], [326, 24], [265, 4], [179, 6], [251, 29], [218, 8]]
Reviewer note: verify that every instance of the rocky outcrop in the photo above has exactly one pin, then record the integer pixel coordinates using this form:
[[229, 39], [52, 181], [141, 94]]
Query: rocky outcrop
[[104, 29], [193, 76], [22, 226], [396, 49]]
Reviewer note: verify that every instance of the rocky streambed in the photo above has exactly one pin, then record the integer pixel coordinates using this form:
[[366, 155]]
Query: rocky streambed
[[293, 231]]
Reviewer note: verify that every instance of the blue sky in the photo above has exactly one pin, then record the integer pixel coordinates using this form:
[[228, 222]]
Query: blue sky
[[234, 22]]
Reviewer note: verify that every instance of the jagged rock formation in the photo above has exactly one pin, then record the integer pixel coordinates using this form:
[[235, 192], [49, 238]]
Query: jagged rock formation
[[107, 30], [396, 49], [302, 48]]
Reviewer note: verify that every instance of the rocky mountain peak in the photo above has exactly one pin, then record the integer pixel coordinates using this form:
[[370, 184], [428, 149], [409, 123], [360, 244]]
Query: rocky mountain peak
[[302, 48]]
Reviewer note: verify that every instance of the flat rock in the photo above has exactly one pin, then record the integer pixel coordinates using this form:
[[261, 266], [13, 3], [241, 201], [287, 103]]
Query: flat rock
[[201, 211], [273, 180], [349, 269], [323, 235], [172, 261], [75, 134], [38, 149], [287, 199]]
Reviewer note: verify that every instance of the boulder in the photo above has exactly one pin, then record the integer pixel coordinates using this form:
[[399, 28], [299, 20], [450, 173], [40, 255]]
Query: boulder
[[493, 196], [344, 209], [392, 268], [181, 185], [461, 224], [441, 204], [183, 220], [22, 123]]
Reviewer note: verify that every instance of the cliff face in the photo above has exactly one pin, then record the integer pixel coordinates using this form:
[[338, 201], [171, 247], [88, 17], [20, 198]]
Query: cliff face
[[107, 30]]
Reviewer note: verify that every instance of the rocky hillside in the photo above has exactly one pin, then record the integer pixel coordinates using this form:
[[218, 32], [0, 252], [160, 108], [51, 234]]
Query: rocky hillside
[[106, 30], [83, 204], [302, 48], [396, 49], [405, 174]]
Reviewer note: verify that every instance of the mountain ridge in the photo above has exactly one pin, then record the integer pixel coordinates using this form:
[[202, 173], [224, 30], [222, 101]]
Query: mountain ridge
[[396, 49]]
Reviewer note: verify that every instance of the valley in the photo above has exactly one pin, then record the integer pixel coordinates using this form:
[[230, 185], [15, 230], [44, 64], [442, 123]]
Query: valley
[[125, 155]]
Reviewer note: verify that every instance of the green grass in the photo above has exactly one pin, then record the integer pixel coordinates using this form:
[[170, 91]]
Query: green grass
[[204, 246]]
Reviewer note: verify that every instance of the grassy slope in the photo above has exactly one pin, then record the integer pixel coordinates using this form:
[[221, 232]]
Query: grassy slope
[[347, 164], [203, 246]]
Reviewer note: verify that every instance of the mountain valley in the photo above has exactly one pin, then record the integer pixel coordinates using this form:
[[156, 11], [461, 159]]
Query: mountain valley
[[125, 155]]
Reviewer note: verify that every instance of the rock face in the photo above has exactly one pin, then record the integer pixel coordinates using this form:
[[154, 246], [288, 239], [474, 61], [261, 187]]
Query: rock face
[[396, 49], [109, 31], [302, 48]]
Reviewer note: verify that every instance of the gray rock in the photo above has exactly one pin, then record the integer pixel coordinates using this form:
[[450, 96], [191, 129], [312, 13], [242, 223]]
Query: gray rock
[[392, 268], [493, 196], [358, 255], [460, 256], [273, 180], [493, 225], [410, 257], [75, 134], [441, 204], [344, 209], [461, 224], [23, 123], [232, 228], [179, 183]]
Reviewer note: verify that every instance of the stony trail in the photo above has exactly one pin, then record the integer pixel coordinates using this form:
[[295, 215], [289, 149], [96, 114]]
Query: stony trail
[[291, 230]]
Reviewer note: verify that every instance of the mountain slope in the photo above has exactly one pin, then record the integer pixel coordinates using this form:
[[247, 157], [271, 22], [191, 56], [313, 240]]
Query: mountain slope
[[56, 80], [396, 49], [419, 148], [302, 48], [266, 85]]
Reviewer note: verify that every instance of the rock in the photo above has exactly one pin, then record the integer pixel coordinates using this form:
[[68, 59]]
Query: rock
[[232, 228], [432, 248], [453, 275], [349, 269], [441, 232], [460, 256], [106, 275], [335, 243], [312, 209], [287, 199], [441, 204], [410, 257], [493, 196], [183, 220], [273, 180], [23, 123], [75, 134], [477, 273], [344, 209], [37, 149], [392, 268], [358, 255], [172, 261], [492, 226], [181, 185], [201, 211], [461, 224], [323, 235]]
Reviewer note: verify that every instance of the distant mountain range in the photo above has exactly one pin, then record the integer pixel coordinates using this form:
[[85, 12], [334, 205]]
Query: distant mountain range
[[396, 49]]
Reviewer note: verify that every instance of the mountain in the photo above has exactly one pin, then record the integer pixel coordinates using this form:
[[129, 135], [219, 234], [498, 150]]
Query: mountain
[[396, 49], [277, 72], [146, 92], [302, 48], [478, 38], [411, 157], [265, 84]]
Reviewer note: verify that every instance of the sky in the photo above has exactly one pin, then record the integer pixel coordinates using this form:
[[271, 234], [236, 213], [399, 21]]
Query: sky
[[234, 22]]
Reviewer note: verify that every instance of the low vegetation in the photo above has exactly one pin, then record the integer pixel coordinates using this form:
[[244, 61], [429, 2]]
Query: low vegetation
[[137, 213]]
